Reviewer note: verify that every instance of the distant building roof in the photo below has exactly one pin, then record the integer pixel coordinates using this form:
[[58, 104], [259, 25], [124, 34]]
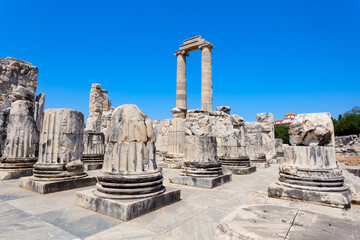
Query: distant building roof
[[290, 114]]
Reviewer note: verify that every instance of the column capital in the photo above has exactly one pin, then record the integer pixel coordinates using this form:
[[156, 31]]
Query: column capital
[[181, 52], [206, 44]]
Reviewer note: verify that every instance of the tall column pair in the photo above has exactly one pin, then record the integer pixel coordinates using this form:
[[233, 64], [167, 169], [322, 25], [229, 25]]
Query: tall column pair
[[206, 78]]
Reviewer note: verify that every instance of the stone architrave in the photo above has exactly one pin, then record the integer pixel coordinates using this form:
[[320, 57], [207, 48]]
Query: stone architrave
[[254, 144], [268, 135], [59, 166], [94, 149], [310, 171], [130, 184], [201, 167], [20, 118]]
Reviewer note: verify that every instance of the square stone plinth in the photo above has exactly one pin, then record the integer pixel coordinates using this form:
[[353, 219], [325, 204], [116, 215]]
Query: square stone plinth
[[238, 170], [260, 164], [92, 166], [209, 182], [44, 187], [126, 209], [341, 199], [6, 174]]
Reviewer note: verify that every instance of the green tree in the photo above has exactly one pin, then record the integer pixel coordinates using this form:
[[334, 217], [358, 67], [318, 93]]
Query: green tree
[[282, 131], [348, 123]]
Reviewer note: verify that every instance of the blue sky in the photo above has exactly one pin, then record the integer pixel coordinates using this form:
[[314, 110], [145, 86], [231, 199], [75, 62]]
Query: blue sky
[[270, 56]]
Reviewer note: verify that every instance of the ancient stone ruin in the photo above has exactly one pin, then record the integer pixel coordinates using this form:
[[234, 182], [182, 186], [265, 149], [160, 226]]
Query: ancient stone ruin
[[279, 149], [100, 111], [59, 166], [129, 171], [52, 151], [310, 171], [21, 117], [266, 121], [254, 144], [94, 148]]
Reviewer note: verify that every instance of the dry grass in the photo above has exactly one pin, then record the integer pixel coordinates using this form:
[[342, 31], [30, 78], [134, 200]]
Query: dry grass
[[349, 161]]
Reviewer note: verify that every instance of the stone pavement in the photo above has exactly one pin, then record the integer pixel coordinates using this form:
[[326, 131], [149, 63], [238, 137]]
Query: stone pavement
[[28, 215]]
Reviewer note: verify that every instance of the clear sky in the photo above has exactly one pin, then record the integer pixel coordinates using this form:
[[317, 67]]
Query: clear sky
[[270, 56]]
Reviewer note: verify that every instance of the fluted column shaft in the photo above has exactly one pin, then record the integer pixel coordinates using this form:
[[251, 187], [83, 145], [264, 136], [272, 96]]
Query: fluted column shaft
[[206, 78], [181, 79]]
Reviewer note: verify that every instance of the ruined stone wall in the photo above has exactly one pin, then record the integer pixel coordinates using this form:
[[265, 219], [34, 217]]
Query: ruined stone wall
[[347, 145], [219, 124]]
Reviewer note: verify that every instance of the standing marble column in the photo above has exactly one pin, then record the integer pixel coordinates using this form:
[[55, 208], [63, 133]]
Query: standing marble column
[[206, 77], [59, 166], [181, 78]]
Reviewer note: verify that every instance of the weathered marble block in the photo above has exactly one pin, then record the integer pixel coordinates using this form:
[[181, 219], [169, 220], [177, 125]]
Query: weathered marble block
[[312, 129], [129, 178], [59, 166]]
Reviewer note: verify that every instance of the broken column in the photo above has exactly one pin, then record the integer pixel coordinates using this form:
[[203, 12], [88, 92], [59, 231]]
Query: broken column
[[20, 118], [279, 150], [201, 167], [176, 139], [266, 121], [59, 166], [130, 184], [254, 144], [100, 110], [310, 171], [232, 151], [94, 148]]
